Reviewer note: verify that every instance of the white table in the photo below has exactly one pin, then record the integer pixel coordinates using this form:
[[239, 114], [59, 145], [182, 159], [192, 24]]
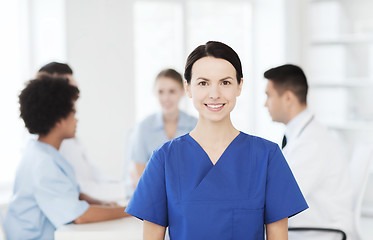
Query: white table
[[129, 228]]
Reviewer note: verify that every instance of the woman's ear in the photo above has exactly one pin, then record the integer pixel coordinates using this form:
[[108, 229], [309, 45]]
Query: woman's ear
[[187, 89], [58, 125], [240, 87]]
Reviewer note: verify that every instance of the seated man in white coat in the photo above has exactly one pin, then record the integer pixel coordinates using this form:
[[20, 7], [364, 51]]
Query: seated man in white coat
[[315, 156], [90, 178]]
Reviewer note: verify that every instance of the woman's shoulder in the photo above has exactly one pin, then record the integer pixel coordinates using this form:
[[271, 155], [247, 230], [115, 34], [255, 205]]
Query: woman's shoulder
[[187, 119], [186, 115], [39, 156], [148, 123], [148, 120], [169, 146], [259, 142], [168, 149], [40, 150], [174, 143]]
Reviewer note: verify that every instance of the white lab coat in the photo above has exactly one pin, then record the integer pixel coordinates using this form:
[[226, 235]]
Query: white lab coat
[[320, 166], [92, 181]]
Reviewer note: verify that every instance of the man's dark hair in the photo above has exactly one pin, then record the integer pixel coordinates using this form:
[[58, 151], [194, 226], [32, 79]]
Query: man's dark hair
[[45, 101], [289, 77], [216, 50], [56, 67], [173, 74]]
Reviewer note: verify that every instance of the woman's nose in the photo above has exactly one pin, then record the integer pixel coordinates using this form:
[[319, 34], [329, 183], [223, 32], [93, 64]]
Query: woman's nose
[[214, 92]]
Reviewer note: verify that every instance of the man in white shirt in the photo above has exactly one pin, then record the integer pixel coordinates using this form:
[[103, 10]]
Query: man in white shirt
[[316, 158], [91, 179]]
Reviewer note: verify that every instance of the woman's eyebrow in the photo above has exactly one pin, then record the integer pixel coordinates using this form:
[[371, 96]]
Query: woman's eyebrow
[[206, 79], [202, 78], [225, 78]]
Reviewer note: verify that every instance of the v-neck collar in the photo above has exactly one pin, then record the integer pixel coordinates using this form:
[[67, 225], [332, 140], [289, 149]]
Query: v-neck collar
[[198, 146]]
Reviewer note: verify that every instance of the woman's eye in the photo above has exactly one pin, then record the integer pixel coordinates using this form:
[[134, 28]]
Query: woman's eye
[[226, 82], [202, 83]]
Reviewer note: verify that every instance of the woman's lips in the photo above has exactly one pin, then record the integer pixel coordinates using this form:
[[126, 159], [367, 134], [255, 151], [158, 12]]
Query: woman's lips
[[215, 107]]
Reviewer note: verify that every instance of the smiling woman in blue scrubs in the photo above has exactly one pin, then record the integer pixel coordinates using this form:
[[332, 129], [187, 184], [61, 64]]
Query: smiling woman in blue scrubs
[[216, 182]]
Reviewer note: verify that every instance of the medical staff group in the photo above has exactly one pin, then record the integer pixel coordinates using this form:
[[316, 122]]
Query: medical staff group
[[202, 178]]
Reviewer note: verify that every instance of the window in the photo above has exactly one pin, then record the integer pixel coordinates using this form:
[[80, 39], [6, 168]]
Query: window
[[158, 45], [33, 34], [11, 80]]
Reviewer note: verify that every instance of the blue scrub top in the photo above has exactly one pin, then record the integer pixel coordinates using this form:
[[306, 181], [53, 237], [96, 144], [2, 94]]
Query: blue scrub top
[[249, 186], [45, 195], [149, 135]]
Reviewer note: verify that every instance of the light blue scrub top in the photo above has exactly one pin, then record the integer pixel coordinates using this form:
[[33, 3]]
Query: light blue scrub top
[[250, 185], [149, 135], [45, 195]]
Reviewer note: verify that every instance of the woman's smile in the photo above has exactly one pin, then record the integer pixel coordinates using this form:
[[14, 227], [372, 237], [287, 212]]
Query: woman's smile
[[215, 107]]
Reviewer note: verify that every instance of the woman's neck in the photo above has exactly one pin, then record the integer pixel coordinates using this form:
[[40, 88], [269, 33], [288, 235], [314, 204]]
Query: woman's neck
[[51, 139], [170, 121], [208, 132], [171, 117]]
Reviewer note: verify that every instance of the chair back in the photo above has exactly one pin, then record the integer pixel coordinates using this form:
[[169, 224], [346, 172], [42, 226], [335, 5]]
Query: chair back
[[360, 165]]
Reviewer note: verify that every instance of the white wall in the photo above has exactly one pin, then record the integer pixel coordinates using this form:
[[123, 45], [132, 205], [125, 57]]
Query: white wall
[[100, 49], [11, 128], [269, 51], [47, 35]]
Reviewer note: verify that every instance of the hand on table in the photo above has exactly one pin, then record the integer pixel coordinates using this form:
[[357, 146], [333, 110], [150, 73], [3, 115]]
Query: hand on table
[[111, 204]]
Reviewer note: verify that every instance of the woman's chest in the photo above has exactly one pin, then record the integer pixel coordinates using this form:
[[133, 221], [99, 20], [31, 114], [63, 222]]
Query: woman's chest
[[237, 176]]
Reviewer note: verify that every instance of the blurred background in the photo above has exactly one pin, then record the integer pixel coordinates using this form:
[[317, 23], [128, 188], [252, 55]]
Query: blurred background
[[116, 48]]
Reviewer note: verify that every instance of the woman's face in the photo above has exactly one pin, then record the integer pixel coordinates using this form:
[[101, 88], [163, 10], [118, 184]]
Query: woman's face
[[169, 93], [69, 124], [213, 88]]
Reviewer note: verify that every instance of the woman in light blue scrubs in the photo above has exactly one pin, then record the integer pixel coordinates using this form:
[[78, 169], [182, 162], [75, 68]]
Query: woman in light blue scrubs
[[162, 126], [46, 194], [216, 182]]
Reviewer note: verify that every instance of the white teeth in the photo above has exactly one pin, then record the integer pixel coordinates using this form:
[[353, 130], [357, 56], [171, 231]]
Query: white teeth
[[215, 106]]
